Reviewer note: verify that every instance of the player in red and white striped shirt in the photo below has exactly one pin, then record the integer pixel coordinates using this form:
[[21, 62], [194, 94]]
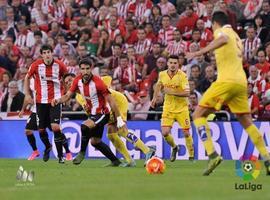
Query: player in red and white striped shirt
[[47, 73], [99, 101]]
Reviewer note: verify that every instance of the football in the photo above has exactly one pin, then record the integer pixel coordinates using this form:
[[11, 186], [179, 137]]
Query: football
[[155, 165], [248, 167]]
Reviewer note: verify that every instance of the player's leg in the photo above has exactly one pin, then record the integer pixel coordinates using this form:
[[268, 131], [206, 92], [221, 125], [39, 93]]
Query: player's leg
[[55, 118], [41, 115], [118, 143], [104, 148], [184, 120], [30, 126], [167, 120]]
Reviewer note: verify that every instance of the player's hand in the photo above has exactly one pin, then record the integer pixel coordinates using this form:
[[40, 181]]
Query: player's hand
[[28, 99], [54, 102], [167, 90], [21, 114], [120, 122], [153, 103], [190, 55]]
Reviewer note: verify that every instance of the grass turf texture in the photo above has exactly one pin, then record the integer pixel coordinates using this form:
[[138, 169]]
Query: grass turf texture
[[181, 180]]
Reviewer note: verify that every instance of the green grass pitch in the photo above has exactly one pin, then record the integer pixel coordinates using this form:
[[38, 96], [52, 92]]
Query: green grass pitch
[[181, 180]]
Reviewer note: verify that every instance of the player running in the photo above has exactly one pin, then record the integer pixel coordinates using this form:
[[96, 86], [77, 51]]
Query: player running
[[230, 89], [174, 83], [97, 96]]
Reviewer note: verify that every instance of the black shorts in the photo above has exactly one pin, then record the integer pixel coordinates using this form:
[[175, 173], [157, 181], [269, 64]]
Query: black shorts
[[46, 114], [100, 120], [31, 123]]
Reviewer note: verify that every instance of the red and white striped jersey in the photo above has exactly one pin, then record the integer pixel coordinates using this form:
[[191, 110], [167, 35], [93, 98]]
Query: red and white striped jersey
[[166, 36], [250, 46], [48, 83], [22, 39], [141, 10], [94, 93], [122, 8], [58, 13], [142, 46], [73, 69], [165, 7], [175, 48]]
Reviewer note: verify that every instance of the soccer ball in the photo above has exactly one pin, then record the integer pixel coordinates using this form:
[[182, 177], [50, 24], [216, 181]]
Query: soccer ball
[[248, 167], [155, 165]]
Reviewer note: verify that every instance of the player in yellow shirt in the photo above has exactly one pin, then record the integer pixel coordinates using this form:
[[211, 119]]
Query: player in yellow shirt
[[174, 83], [230, 89], [113, 132]]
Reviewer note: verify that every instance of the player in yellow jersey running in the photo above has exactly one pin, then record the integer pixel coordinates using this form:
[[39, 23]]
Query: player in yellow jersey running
[[113, 132], [174, 83], [230, 89]]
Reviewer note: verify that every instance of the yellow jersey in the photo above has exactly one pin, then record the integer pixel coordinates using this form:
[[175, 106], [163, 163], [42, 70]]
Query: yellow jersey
[[179, 82], [119, 98], [229, 57]]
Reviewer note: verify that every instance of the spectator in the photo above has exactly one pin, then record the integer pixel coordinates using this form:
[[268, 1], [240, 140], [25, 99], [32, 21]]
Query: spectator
[[209, 78], [165, 35], [262, 65], [131, 32], [206, 34], [192, 87], [208, 14], [142, 46], [199, 8], [255, 79], [251, 44], [61, 39], [252, 8], [193, 102], [142, 104], [13, 100], [114, 60], [178, 45], [174, 16], [21, 12], [253, 101], [39, 15], [155, 18], [165, 5], [265, 13], [187, 22], [73, 34], [6, 78], [195, 73], [150, 60], [104, 48], [21, 76], [141, 9], [161, 65], [3, 7], [261, 31], [6, 31]]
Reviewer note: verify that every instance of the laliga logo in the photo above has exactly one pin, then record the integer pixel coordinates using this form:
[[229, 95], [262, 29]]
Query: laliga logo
[[248, 168], [72, 132]]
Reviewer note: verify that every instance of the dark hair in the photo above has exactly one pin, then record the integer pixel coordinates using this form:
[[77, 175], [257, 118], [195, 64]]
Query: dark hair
[[45, 47], [69, 74], [194, 93], [38, 33], [173, 57], [165, 16], [220, 17], [86, 61], [123, 56]]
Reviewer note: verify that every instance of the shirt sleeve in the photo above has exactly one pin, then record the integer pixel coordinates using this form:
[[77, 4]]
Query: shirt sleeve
[[74, 86], [32, 70], [63, 69]]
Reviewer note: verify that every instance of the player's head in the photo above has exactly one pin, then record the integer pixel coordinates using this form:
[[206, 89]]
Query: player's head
[[68, 79], [173, 63], [86, 65], [219, 19], [46, 52]]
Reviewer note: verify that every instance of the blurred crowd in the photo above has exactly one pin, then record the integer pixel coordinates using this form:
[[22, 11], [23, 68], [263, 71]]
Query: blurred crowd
[[131, 40]]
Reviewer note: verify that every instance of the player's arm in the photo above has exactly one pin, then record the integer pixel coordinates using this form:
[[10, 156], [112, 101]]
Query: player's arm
[[25, 103], [175, 92], [111, 101], [157, 90], [63, 99], [27, 91], [215, 44]]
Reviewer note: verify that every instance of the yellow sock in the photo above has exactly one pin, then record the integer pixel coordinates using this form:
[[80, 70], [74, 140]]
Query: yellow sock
[[189, 145], [119, 145], [169, 139], [137, 142], [205, 134], [258, 141]]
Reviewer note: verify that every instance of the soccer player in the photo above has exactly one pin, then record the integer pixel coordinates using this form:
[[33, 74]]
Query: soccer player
[[31, 126], [230, 89], [47, 73], [97, 96], [174, 83], [113, 132]]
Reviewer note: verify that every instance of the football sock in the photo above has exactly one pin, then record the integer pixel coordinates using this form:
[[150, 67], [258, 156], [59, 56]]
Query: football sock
[[32, 141], [65, 142], [258, 141], [119, 145], [105, 150], [45, 138], [85, 137], [189, 145], [169, 139], [137, 142], [205, 134], [58, 143]]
